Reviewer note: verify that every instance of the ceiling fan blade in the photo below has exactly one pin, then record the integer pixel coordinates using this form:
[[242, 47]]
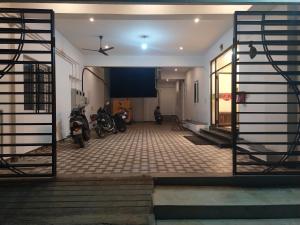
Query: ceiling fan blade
[[90, 49], [107, 49], [103, 52]]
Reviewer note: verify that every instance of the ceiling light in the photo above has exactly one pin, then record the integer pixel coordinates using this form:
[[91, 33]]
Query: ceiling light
[[106, 46], [180, 48], [144, 46], [196, 20], [175, 69], [92, 19]]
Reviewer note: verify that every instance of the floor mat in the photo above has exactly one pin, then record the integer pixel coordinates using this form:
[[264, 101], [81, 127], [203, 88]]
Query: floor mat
[[197, 140]]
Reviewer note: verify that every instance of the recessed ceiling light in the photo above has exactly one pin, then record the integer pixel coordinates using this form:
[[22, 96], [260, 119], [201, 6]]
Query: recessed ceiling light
[[175, 69], [92, 19], [144, 46], [181, 48], [106, 46], [196, 20]]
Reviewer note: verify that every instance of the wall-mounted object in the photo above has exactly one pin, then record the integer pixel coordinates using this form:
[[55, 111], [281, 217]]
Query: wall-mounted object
[[78, 98]]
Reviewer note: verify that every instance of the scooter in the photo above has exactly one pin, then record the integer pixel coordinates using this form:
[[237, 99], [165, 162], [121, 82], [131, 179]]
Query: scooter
[[79, 126], [159, 119], [105, 123], [120, 121], [96, 126]]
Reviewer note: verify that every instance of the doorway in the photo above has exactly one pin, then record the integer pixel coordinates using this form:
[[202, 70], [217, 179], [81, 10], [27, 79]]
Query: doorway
[[221, 69]]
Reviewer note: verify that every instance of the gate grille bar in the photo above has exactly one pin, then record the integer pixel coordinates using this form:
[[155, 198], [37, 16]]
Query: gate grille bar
[[265, 93], [27, 93]]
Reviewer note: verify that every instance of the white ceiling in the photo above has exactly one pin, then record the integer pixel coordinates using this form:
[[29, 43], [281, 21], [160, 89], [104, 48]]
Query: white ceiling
[[166, 33], [168, 26]]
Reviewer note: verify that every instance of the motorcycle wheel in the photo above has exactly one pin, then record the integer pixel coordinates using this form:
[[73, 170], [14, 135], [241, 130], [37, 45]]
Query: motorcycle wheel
[[80, 141], [123, 128], [86, 135], [99, 132]]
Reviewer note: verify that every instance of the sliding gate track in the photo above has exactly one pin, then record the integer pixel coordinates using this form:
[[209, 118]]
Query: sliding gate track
[[265, 93], [27, 93]]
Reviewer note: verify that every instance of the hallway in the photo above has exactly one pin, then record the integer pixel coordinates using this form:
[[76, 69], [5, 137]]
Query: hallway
[[144, 149]]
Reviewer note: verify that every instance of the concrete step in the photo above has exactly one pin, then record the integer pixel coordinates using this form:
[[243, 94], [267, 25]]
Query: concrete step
[[217, 133], [221, 143], [192, 202], [231, 222]]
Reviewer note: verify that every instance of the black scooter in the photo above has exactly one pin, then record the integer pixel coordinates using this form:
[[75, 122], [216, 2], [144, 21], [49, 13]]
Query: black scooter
[[120, 119], [79, 126], [105, 123]]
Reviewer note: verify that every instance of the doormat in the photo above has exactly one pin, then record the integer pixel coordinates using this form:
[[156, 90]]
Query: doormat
[[198, 140]]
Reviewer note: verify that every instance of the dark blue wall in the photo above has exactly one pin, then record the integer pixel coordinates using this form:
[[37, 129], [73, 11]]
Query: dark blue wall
[[132, 82]]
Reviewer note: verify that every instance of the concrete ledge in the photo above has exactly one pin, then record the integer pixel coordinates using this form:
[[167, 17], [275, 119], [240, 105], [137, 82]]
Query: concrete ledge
[[188, 202], [193, 126]]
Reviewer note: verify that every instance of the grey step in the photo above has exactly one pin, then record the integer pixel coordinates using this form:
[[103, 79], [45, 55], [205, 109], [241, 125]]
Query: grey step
[[221, 129], [231, 222], [76, 201], [217, 133], [215, 140], [230, 180], [190, 202]]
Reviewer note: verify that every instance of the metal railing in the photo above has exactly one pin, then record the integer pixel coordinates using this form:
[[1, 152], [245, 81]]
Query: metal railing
[[266, 72], [27, 86]]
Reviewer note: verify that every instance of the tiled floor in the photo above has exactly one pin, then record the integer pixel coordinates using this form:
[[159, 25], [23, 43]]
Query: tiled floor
[[145, 148]]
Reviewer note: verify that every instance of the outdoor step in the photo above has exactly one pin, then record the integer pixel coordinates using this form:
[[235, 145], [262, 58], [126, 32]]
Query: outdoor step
[[204, 202], [76, 201], [215, 140], [217, 133], [221, 129], [231, 222]]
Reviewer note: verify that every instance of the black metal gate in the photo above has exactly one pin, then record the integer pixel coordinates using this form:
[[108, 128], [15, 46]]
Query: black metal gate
[[27, 93], [265, 93]]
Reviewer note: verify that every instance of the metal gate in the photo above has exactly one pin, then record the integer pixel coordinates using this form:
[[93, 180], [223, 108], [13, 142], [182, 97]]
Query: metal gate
[[265, 93], [27, 93]]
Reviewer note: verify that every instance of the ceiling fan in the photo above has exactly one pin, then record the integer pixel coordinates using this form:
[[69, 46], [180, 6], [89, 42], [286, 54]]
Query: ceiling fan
[[101, 49]]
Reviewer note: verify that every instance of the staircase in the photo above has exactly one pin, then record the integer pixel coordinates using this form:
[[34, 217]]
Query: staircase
[[216, 205], [218, 136]]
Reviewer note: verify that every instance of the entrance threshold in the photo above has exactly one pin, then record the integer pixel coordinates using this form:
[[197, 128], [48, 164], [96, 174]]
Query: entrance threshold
[[230, 180]]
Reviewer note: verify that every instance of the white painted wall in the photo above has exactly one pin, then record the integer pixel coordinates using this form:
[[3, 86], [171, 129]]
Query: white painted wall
[[167, 97], [143, 61], [95, 89], [69, 64], [196, 111]]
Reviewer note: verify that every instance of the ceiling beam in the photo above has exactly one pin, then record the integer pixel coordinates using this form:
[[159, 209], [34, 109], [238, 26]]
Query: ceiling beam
[[166, 1], [133, 9]]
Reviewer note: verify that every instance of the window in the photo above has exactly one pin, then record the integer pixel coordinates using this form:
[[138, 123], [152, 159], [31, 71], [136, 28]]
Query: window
[[37, 87], [196, 91]]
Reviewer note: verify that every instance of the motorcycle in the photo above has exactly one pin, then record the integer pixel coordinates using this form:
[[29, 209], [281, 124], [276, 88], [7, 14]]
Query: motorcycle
[[105, 123], [120, 120], [96, 126], [79, 126], [159, 119]]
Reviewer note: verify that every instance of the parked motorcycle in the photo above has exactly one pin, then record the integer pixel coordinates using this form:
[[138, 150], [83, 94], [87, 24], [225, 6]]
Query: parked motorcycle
[[159, 119], [79, 126], [120, 120], [96, 126], [105, 123]]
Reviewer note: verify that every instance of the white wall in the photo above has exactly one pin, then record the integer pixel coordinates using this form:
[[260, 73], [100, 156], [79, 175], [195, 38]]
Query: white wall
[[95, 89], [167, 97], [143, 61], [68, 74], [196, 111]]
